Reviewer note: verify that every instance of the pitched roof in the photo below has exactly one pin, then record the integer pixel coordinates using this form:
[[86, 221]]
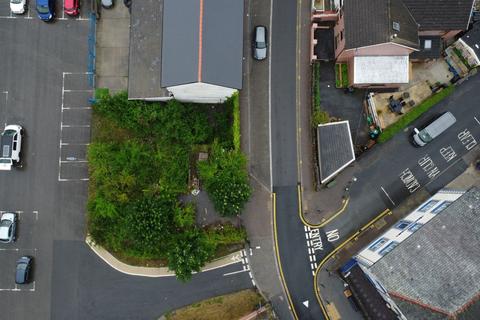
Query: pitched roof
[[441, 14], [438, 264], [370, 22], [202, 42], [335, 148]]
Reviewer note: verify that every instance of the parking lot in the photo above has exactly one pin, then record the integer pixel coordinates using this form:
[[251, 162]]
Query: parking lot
[[31, 13], [74, 127]]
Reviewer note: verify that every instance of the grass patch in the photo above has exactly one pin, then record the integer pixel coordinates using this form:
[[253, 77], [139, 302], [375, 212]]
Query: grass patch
[[416, 112], [230, 306], [236, 121], [319, 116], [341, 75]]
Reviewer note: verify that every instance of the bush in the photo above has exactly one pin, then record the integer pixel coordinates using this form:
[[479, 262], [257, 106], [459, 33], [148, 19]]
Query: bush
[[226, 234], [316, 86], [320, 117], [188, 252], [226, 181], [416, 112]]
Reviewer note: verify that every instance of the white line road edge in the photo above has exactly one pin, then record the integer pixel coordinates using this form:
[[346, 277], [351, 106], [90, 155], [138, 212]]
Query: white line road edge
[[388, 196]]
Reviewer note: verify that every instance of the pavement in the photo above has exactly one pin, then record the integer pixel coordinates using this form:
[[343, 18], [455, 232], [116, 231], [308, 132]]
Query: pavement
[[232, 258], [113, 40]]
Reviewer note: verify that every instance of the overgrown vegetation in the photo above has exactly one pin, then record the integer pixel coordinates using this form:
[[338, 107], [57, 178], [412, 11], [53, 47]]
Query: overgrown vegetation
[[416, 112], [319, 116], [225, 178], [229, 306], [234, 101], [139, 161]]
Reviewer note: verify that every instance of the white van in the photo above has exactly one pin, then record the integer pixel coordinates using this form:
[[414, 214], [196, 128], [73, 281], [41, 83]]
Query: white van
[[433, 129]]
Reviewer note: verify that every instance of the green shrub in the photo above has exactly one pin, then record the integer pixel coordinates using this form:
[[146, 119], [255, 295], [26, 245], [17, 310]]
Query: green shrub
[[344, 75], [316, 86], [236, 121], [226, 181], [188, 252], [226, 234], [320, 117], [416, 112]]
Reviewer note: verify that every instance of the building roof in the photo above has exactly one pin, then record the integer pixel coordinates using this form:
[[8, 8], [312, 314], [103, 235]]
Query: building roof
[[435, 50], [371, 22], [441, 14], [370, 300], [437, 266], [202, 42], [381, 69], [335, 148], [144, 66]]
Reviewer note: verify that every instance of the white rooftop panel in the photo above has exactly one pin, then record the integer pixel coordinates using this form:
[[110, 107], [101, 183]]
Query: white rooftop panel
[[380, 69]]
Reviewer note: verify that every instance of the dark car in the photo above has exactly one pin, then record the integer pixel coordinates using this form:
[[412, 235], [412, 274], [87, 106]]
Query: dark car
[[24, 270], [46, 9], [260, 43]]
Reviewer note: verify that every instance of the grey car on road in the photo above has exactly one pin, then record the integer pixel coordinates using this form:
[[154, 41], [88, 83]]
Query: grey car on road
[[260, 43]]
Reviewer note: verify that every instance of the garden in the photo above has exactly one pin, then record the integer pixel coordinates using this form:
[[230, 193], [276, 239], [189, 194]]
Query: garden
[[140, 165]]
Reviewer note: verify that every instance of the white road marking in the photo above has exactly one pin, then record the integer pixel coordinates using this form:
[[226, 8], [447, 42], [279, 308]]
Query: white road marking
[[476, 120], [234, 272], [388, 196], [270, 95], [305, 303]]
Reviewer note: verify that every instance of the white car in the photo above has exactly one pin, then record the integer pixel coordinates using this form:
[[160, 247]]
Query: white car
[[11, 146], [8, 227], [18, 6]]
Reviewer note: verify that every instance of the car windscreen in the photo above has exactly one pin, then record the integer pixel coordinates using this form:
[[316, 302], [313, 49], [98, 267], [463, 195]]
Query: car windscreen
[[22, 266], [42, 9], [261, 45], [16, 1], [5, 223], [5, 161], [9, 132], [425, 136]]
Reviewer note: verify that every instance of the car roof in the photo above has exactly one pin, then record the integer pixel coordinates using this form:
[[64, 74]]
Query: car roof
[[4, 232]]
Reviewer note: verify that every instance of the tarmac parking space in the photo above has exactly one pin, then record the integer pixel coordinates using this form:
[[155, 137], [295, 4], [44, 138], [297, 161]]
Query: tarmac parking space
[[75, 127]]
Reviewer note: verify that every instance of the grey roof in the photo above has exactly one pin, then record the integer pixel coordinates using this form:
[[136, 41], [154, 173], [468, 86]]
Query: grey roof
[[370, 22], [335, 148], [472, 38], [144, 67], [211, 54], [440, 14], [438, 265], [433, 53], [181, 21]]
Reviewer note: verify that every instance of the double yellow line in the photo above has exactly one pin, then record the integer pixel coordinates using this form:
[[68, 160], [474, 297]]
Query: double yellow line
[[338, 248]]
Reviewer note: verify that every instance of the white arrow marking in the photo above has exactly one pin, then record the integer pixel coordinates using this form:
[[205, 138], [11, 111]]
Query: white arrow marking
[[305, 303]]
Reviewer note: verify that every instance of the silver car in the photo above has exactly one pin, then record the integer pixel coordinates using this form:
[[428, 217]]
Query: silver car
[[260, 43], [8, 227]]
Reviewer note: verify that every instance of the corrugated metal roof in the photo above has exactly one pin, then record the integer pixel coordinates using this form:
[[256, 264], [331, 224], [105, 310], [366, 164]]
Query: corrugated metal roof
[[202, 42], [181, 21], [438, 264]]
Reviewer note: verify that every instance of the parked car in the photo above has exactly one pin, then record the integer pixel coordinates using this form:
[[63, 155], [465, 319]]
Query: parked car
[[11, 144], [107, 4], [8, 227], [260, 43], [433, 129], [18, 6], [46, 9], [71, 7], [23, 272]]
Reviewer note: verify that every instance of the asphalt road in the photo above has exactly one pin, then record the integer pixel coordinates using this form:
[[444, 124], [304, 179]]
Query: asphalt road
[[43, 87]]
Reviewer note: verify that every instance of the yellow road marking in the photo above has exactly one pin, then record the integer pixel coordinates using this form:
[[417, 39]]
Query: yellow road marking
[[320, 265], [284, 283], [324, 223]]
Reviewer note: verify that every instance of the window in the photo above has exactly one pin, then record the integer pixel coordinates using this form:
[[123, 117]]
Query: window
[[377, 244], [428, 205], [427, 45], [388, 248], [396, 26], [414, 227], [341, 35], [402, 224], [441, 207]]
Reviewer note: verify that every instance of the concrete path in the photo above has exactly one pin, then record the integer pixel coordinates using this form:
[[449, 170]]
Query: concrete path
[[155, 272], [113, 40]]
